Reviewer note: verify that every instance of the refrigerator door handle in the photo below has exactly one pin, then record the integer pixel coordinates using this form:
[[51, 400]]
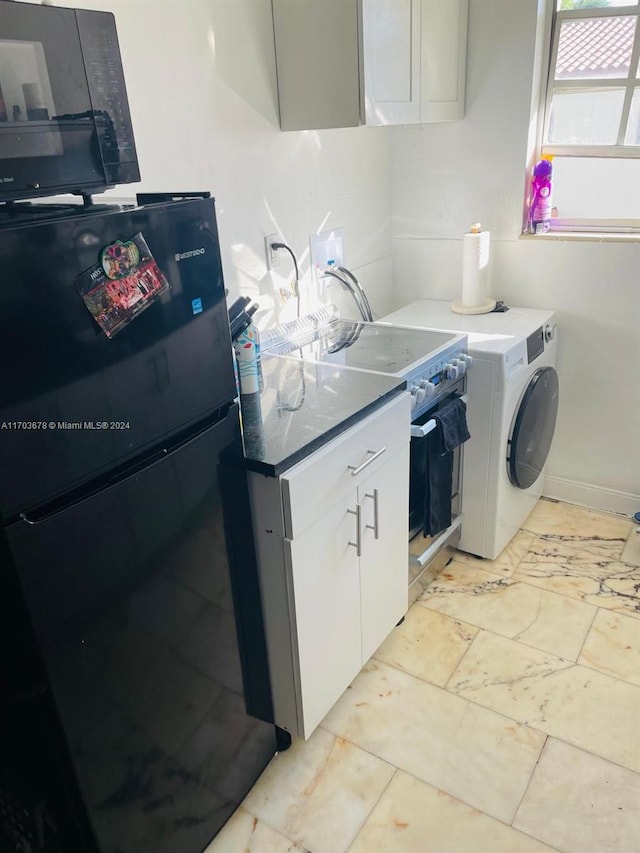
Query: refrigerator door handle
[[163, 198], [24, 517]]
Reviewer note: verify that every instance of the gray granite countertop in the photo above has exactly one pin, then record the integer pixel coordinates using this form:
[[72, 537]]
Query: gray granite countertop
[[304, 405]]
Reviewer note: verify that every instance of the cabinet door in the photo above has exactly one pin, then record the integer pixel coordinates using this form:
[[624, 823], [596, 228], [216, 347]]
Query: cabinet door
[[325, 586], [444, 59], [317, 63], [384, 564], [391, 35]]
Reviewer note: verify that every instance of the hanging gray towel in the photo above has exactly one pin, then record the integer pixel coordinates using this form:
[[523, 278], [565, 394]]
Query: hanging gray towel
[[452, 431], [453, 420]]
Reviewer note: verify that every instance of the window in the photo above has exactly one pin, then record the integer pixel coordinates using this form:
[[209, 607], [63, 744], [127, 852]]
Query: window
[[592, 115]]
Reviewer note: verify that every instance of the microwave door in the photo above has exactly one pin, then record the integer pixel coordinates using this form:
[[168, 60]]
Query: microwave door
[[43, 82], [64, 119]]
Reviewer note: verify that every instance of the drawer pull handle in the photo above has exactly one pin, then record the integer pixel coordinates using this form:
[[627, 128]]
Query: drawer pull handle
[[376, 518], [358, 543], [373, 455]]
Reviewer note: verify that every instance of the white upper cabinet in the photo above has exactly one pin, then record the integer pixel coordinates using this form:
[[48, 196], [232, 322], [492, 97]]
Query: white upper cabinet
[[317, 63], [341, 63], [443, 59], [391, 53]]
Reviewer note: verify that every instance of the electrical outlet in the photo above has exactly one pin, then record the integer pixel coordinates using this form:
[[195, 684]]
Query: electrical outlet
[[272, 255]]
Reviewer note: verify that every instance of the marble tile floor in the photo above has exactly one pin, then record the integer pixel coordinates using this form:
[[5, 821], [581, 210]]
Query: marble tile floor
[[502, 716]]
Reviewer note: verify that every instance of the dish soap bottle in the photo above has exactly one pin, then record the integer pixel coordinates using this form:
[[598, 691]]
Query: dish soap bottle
[[541, 204]]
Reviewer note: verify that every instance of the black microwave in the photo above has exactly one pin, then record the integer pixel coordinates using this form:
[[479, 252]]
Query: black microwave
[[65, 125]]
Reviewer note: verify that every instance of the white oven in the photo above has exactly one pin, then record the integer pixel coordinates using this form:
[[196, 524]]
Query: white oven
[[431, 539]]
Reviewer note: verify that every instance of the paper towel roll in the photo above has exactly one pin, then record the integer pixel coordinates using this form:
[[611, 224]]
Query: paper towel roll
[[475, 263]]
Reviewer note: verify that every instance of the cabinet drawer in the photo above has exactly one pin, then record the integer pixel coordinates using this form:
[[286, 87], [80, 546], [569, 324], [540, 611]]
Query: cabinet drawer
[[326, 476]]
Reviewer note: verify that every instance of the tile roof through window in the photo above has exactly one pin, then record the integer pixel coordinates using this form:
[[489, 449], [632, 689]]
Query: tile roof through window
[[595, 47]]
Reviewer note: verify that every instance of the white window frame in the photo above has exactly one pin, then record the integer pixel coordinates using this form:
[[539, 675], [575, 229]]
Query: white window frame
[[630, 83]]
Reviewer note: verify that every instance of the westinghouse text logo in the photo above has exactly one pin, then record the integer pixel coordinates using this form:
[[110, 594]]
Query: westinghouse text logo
[[192, 254]]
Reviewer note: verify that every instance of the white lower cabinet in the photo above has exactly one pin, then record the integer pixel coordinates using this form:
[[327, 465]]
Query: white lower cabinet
[[333, 562]]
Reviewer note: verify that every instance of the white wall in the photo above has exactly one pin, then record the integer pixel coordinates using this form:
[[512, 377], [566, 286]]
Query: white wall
[[447, 176], [201, 82], [200, 77]]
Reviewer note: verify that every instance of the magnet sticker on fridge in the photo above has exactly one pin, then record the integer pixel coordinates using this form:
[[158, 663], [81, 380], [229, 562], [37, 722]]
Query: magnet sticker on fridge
[[126, 280]]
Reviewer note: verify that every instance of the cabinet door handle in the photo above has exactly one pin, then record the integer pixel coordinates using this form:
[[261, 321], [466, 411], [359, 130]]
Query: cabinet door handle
[[373, 455], [358, 543], [376, 518]]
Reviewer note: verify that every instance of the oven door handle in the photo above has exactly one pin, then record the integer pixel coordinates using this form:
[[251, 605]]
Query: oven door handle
[[420, 430]]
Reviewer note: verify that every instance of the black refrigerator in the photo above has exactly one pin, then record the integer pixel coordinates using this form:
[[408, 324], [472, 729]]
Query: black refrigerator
[[123, 674]]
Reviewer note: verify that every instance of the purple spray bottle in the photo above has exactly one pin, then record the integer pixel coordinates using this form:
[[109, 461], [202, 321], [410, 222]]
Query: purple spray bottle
[[540, 204]]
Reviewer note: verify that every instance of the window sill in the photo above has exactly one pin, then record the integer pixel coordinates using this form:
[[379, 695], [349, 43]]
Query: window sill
[[585, 236]]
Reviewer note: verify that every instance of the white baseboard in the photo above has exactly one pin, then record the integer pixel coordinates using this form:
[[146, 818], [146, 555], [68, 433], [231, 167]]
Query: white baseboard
[[593, 497]]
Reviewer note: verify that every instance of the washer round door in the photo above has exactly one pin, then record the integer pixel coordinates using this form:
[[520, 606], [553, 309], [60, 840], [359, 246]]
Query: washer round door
[[533, 428]]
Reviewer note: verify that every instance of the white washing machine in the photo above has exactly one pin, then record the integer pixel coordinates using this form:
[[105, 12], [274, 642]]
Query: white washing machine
[[511, 411]]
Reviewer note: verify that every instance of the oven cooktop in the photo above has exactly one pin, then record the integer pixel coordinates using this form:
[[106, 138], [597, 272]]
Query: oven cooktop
[[392, 350], [430, 362]]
